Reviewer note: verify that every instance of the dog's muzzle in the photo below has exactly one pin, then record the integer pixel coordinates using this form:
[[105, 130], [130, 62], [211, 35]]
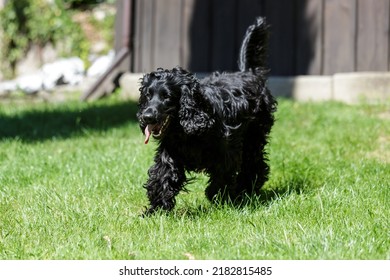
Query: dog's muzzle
[[156, 130]]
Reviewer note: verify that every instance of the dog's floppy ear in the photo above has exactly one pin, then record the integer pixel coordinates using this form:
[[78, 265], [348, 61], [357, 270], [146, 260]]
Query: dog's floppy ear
[[194, 112]]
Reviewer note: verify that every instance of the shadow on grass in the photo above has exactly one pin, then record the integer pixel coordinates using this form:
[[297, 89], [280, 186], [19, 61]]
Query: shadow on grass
[[63, 121], [284, 189], [265, 198]]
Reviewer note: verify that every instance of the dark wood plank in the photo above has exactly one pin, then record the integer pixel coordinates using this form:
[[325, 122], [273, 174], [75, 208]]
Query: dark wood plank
[[167, 36], [339, 36], [145, 37], [373, 37], [118, 25], [309, 37], [224, 36], [282, 39], [185, 40], [247, 12], [200, 33], [137, 47]]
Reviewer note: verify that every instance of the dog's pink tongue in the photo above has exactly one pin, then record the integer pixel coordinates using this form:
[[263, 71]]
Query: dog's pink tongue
[[147, 134]]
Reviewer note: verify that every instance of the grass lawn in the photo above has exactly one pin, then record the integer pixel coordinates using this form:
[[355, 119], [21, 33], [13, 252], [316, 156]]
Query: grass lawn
[[71, 179]]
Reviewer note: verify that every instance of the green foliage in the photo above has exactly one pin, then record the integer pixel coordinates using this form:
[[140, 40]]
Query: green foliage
[[83, 3], [26, 22], [13, 35], [105, 27]]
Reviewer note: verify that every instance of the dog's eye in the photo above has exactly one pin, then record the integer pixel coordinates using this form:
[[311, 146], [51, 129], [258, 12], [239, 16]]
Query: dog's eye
[[147, 94], [164, 94]]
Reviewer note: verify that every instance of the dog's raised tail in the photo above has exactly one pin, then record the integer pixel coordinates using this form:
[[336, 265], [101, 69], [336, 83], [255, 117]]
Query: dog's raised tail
[[253, 52]]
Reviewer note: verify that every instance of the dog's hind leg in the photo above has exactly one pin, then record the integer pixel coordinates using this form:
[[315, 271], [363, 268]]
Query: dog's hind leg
[[253, 176], [254, 169], [166, 179]]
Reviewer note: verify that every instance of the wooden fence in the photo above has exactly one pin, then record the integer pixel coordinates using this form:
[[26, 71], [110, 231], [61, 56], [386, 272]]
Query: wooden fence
[[308, 37]]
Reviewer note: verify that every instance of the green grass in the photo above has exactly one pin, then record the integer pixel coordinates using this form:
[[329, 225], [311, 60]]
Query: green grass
[[71, 179]]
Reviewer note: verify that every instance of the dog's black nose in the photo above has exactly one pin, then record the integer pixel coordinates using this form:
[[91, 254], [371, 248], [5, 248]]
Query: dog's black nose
[[149, 116]]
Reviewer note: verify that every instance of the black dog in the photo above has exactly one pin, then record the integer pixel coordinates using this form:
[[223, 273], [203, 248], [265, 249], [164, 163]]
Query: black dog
[[218, 125]]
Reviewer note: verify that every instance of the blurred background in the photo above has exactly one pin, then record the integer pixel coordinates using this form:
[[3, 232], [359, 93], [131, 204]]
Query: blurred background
[[308, 37], [48, 43]]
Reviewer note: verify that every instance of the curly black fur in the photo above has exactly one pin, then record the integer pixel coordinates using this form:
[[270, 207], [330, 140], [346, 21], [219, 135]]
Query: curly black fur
[[218, 125]]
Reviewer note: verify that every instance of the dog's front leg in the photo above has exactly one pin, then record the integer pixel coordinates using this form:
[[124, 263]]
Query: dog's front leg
[[166, 179]]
